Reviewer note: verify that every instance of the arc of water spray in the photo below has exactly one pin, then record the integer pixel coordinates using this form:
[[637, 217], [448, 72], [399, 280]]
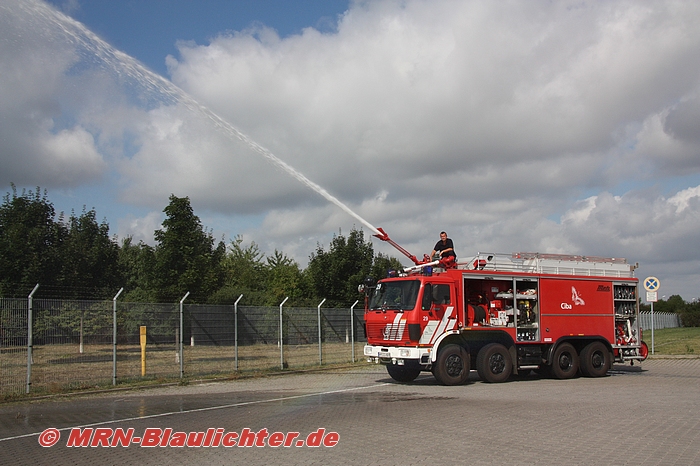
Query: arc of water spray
[[286, 167], [132, 68]]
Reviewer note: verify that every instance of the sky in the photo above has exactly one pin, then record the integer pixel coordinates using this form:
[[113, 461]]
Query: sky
[[566, 127]]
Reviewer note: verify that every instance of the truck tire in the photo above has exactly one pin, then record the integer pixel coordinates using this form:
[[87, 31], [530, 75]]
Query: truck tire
[[595, 360], [493, 363], [452, 365], [403, 373], [565, 361]]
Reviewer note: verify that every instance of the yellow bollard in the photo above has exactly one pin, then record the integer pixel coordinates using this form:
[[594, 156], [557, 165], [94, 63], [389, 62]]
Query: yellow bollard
[[143, 350]]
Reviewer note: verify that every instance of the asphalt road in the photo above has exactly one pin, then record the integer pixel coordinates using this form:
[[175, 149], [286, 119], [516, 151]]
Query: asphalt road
[[648, 414]]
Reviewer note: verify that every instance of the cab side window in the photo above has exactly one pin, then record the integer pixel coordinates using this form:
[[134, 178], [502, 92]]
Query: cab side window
[[441, 294]]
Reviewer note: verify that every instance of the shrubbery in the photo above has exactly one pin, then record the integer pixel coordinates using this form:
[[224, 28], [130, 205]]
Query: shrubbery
[[77, 259], [690, 315]]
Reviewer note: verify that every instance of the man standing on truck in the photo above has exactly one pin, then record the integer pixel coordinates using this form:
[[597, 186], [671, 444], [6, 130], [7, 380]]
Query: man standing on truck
[[444, 247]]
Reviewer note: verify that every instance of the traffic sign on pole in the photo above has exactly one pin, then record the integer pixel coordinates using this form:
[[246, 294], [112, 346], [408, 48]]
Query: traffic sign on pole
[[652, 284]]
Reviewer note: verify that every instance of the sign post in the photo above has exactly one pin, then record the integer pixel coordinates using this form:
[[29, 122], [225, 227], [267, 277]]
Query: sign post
[[142, 335], [652, 284]]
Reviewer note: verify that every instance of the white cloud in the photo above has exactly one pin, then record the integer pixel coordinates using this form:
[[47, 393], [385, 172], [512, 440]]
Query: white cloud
[[73, 152], [513, 126], [684, 198], [140, 228], [581, 212]]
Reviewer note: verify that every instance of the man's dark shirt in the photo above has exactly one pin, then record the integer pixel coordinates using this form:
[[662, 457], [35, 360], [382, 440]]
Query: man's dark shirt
[[440, 246]]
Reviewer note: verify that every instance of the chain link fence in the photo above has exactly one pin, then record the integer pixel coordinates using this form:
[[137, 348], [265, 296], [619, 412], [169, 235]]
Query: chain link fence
[[13, 345], [72, 344]]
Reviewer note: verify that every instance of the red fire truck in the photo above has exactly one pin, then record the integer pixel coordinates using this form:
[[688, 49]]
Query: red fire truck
[[504, 314]]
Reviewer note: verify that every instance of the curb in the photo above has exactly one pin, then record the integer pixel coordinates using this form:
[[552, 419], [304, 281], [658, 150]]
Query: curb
[[673, 356]]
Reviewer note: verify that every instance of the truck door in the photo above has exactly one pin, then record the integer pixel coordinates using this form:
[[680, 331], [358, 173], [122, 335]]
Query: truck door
[[438, 310]]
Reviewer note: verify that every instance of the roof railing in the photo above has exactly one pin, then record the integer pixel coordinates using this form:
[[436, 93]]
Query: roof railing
[[555, 264]]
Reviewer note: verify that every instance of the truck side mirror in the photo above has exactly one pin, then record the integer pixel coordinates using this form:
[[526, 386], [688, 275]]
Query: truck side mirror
[[367, 285], [427, 303]]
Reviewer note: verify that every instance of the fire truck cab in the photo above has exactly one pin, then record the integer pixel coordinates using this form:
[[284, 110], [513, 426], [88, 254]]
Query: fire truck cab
[[506, 314]]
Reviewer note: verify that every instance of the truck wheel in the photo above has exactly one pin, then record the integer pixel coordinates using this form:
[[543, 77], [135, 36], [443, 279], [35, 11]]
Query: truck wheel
[[565, 362], [493, 363], [452, 365], [403, 373], [595, 360]]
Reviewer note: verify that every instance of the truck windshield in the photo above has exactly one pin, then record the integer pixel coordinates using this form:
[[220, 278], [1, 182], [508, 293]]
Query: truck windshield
[[395, 295]]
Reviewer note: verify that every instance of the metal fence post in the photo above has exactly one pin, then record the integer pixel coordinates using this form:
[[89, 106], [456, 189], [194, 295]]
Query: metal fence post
[[29, 337], [81, 347], [352, 328], [114, 336], [320, 353], [235, 331], [182, 366], [282, 336]]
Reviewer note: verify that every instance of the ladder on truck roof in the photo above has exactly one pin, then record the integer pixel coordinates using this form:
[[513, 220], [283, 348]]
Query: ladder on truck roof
[[555, 264]]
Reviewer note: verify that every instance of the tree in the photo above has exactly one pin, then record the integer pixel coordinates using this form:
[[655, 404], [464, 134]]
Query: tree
[[674, 304], [243, 269], [30, 240], [185, 256], [690, 315], [335, 274], [245, 266], [382, 264], [89, 257], [284, 279], [136, 265]]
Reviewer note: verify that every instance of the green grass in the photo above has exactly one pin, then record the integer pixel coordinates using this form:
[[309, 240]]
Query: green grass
[[61, 368], [675, 341]]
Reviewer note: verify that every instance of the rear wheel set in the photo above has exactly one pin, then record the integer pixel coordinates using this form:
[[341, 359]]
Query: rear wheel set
[[565, 362], [595, 360], [452, 365], [494, 363]]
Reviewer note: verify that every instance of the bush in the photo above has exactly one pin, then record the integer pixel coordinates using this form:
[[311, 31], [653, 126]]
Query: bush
[[690, 315]]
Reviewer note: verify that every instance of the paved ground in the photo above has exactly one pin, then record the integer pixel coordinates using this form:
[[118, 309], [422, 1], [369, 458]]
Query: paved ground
[[648, 414]]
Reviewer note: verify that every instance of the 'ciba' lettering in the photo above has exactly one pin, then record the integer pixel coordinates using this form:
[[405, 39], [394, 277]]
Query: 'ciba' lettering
[[566, 306]]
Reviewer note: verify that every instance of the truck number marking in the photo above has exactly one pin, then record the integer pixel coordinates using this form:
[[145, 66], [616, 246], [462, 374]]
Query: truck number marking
[[433, 330]]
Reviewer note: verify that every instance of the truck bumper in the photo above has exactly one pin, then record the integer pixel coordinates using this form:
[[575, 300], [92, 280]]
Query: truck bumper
[[397, 355], [624, 354]]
